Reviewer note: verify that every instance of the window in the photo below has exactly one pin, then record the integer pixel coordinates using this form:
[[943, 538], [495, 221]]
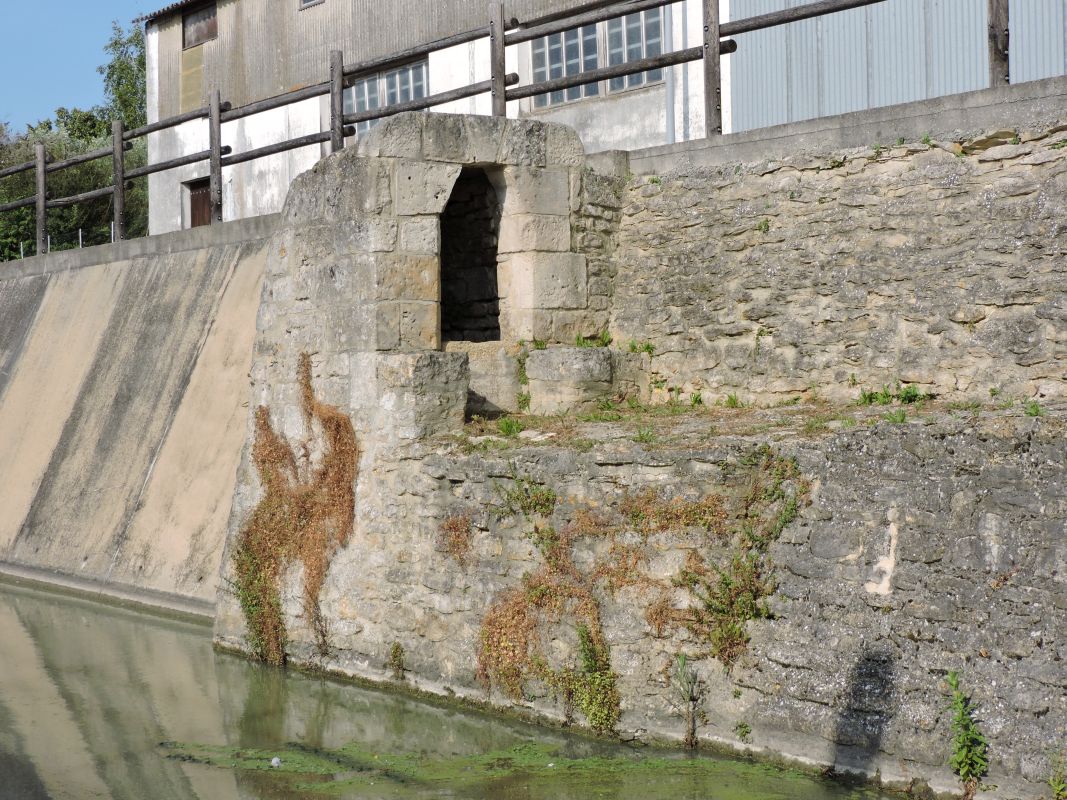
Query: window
[[199, 26], [617, 41], [563, 54], [309, 3], [398, 85]]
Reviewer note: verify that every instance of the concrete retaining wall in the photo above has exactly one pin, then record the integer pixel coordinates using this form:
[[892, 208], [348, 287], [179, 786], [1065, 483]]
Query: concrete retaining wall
[[122, 378]]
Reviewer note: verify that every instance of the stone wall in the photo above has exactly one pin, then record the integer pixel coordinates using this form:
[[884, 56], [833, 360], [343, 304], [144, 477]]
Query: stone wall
[[929, 263]]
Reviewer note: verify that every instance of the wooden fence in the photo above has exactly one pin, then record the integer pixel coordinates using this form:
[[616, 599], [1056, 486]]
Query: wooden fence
[[502, 86]]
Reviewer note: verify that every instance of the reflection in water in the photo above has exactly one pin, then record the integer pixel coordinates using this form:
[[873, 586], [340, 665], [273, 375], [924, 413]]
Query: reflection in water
[[89, 692]]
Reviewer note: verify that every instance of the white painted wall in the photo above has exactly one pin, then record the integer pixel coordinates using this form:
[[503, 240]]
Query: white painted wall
[[625, 120]]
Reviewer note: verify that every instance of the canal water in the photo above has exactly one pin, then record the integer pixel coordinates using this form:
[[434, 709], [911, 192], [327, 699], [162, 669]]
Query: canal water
[[103, 702]]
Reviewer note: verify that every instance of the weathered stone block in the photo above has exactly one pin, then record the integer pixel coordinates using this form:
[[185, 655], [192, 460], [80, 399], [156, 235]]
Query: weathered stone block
[[401, 276], [424, 187], [563, 147], [534, 232], [387, 326], [420, 325], [399, 136], [325, 192], [544, 280], [533, 191], [568, 378], [523, 143], [420, 235], [494, 376]]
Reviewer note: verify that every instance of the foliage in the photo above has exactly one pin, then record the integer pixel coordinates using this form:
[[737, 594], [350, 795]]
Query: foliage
[[642, 347], [649, 513], [455, 537], [906, 395], [1057, 779], [527, 497], [509, 426], [602, 339], [732, 401], [764, 225], [396, 661], [72, 132], [969, 758], [306, 513], [687, 692], [1033, 409], [645, 436], [743, 731]]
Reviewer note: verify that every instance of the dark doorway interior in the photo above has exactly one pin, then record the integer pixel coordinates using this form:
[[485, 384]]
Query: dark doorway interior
[[470, 224], [199, 202]]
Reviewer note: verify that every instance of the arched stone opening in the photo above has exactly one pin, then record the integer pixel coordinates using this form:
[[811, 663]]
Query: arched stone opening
[[470, 228]]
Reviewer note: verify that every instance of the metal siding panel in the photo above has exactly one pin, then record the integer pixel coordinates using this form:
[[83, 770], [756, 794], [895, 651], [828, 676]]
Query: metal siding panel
[[1037, 39], [958, 60], [805, 73], [760, 84], [896, 44], [844, 62]]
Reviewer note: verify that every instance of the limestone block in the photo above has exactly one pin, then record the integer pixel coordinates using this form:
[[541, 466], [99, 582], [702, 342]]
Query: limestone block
[[401, 276], [631, 375], [563, 147], [421, 394], [527, 190], [387, 326], [420, 235], [420, 325], [534, 232], [423, 187], [341, 187], [399, 136], [494, 376], [523, 143], [544, 280], [568, 378]]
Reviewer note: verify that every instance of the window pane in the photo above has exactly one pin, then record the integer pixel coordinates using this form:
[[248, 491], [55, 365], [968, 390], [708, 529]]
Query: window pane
[[540, 68], [418, 82], [589, 57]]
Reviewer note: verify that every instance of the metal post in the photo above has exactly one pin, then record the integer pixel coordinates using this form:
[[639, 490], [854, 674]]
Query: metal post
[[998, 43], [337, 100], [215, 139], [712, 71], [497, 60], [81, 244], [118, 159], [42, 200]]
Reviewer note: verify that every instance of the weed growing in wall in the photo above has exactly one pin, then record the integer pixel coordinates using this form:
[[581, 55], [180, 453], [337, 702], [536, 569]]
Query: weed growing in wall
[[306, 514], [1057, 779], [396, 661], [455, 537], [687, 691], [969, 758], [728, 597]]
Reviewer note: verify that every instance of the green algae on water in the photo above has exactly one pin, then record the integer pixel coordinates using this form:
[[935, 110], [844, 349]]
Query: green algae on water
[[529, 770]]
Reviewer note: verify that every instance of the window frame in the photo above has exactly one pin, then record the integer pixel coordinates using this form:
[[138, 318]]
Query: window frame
[[400, 81], [213, 6], [304, 4], [603, 88]]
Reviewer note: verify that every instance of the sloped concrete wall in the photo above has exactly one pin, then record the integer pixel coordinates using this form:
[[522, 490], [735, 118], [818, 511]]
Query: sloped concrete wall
[[122, 375]]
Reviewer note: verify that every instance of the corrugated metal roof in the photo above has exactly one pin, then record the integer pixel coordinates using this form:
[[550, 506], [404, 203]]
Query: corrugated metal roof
[[168, 10]]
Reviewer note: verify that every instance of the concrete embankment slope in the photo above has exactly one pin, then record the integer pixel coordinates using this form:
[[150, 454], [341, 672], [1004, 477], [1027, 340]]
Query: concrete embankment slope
[[123, 374]]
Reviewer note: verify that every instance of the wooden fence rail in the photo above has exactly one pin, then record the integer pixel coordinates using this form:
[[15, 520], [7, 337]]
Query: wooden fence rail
[[501, 33]]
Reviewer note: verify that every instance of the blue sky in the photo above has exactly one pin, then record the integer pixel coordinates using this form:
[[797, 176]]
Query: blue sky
[[50, 52]]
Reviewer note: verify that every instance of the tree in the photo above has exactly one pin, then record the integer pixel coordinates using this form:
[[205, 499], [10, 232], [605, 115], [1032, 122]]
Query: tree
[[124, 76], [74, 131]]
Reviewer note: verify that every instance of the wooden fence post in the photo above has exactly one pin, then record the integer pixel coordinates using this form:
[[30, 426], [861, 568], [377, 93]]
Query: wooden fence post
[[496, 49], [215, 143], [998, 43], [712, 71], [337, 100], [42, 200], [118, 158]]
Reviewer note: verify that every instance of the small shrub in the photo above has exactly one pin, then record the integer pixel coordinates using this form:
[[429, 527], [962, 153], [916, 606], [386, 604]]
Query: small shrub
[[527, 497], [970, 759], [687, 691], [540, 344], [602, 339], [523, 402], [927, 140], [645, 436], [1057, 779], [396, 661], [642, 347], [509, 426], [897, 416], [605, 404], [764, 225], [743, 731], [1033, 409], [732, 401], [870, 398], [696, 399]]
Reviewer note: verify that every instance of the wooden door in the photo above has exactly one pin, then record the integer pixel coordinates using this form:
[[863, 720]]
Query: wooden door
[[199, 203]]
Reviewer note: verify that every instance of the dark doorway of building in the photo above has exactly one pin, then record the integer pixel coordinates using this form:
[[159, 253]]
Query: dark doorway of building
[[199, 202], [470, 224]]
